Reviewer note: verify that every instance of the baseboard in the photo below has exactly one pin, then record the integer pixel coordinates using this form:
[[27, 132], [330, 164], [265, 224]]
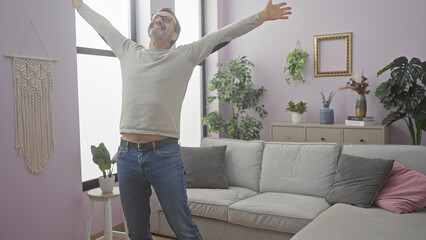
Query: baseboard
[[118, 227]]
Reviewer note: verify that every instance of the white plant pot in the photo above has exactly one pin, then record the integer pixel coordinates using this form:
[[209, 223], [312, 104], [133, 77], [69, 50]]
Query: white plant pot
[[107, 184], [296, 117]]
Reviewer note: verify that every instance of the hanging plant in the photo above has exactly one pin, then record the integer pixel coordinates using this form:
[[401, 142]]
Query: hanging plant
[[295, 62]]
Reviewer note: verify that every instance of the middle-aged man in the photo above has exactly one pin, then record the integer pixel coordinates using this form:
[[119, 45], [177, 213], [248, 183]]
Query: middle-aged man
[[154, 81]]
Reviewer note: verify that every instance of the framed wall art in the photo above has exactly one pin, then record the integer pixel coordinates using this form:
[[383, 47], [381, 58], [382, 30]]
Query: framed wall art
[[333, 55]]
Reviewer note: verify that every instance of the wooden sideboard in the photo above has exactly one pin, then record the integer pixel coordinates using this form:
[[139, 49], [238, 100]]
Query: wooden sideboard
[[338, 133]]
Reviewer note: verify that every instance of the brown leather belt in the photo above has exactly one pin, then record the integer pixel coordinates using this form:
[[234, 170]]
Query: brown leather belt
[[148, 146]]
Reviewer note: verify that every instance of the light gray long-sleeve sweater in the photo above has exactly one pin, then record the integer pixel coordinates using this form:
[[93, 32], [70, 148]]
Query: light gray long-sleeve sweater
[[154, 81]]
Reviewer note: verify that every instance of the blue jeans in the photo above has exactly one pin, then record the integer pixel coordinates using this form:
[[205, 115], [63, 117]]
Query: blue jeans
[[163, 169]]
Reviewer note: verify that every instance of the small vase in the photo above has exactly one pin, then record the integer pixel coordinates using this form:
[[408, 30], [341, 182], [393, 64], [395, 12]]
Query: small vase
[[107, 184], [326, 116], [296, 117], [361, 106]]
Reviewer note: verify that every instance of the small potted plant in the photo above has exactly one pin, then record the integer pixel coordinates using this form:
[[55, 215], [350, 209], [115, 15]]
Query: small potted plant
[[102, 158], [297, 110], [327, 114]]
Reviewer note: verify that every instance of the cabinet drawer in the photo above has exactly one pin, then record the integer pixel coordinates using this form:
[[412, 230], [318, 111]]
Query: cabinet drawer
[[288, 134], [323, 135], [366, 136]]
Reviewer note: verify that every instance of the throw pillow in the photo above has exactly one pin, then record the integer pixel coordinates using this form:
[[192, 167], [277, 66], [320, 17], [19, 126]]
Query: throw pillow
[[204, 167], [358, 180], [404, 191]]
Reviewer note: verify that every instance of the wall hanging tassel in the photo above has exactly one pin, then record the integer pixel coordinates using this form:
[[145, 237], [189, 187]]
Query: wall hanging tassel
[[33, 97]]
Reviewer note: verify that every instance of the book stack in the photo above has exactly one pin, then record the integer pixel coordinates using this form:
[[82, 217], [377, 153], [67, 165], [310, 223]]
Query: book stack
[[360, 121]]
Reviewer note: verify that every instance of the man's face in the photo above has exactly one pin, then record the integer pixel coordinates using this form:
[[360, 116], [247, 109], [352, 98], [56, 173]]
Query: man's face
[[162, 27]]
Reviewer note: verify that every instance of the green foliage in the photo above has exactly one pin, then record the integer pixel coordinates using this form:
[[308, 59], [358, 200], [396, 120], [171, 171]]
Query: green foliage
[[404, 95], [299, 107], [101, 157], [326, 103], [295, 62], [234, 86]]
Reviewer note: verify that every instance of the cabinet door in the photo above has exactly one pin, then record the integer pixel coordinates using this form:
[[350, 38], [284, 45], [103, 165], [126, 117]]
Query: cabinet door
[[362, 136], [287, 134], [314, 134]]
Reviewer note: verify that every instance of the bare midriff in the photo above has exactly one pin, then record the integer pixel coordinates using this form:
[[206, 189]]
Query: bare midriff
[[141, 138]]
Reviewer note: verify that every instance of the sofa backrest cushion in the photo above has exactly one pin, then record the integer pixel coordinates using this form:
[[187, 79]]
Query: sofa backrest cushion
[[358, 180], [404, 191], [243, 160], [413, 157], [299, 168], [204, 167]]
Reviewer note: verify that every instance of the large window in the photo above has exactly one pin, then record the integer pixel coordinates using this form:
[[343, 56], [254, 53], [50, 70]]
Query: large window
[[99, 83], [99, 76], [188, 11]]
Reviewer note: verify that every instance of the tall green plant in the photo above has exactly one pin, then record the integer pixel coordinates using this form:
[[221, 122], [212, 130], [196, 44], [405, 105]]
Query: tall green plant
[[234, 86], [404, 95]]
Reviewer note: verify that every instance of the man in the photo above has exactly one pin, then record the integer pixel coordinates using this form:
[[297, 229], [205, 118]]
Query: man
[[154, 84]]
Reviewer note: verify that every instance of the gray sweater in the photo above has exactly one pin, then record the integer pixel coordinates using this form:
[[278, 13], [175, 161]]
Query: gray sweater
[[154, 81]]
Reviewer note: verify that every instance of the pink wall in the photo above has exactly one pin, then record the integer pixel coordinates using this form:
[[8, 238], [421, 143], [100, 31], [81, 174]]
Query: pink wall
[[49, 205], [382, 31]]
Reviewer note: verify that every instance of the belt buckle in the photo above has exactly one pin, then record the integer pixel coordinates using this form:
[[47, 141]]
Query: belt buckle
[[142, 147]]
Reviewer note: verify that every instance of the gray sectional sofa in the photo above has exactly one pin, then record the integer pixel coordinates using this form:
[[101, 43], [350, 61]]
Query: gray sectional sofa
[[278, 191]]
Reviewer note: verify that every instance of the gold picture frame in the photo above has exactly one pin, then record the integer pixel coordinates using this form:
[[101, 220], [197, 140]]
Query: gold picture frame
[[333, 55]]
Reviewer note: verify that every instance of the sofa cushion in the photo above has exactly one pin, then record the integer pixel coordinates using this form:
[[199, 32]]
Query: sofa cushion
[[359, 180], [404, 190], [410, 156], [343, 221], [204, 167], [243, 161], [281, 212], [299, 168], [214, 203]]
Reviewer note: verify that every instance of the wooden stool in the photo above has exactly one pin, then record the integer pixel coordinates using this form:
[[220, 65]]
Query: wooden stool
[[97, 195]]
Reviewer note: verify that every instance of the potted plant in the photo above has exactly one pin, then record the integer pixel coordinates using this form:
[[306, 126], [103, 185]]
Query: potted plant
[[295, 61], [404, 95], [297, 110], [102, 158], [327, 114], [234, 86]]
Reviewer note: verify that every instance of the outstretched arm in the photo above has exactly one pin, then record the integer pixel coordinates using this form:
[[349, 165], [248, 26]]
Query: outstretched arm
[[199, 50], [117, 42], [275, 11]]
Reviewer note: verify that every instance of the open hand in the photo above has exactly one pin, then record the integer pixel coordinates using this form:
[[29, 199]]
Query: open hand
[[275, 11]]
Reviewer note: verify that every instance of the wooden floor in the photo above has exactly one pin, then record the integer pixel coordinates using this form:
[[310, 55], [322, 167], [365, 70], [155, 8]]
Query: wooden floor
[[155, 237], [162, 238], [120, 227]]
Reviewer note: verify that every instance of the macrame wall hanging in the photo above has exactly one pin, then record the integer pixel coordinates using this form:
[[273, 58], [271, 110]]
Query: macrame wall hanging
[[33, 98]]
